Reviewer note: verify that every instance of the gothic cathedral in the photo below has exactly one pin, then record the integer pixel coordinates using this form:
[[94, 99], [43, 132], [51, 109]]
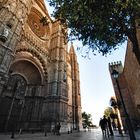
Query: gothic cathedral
[[39, 77]]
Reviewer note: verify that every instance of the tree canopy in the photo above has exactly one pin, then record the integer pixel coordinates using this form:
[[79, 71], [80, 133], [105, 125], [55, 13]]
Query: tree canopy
[[87, 120], [109, 111], [100, 24]]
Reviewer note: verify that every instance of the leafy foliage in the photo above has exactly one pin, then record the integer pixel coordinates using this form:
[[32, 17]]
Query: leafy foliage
[[87, 120], [109, 111], [100, 24]]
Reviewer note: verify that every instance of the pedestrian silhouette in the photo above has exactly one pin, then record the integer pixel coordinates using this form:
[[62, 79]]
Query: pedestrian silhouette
[[104, 125], [110, 126], [58, 126], [114, 125]]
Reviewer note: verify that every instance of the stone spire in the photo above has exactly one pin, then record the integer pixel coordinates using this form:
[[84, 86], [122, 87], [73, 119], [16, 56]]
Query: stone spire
[[75, 88]]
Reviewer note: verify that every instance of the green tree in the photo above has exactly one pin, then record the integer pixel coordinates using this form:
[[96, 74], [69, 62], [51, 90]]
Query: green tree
[[109, 111], [100, 24], [87, 120]]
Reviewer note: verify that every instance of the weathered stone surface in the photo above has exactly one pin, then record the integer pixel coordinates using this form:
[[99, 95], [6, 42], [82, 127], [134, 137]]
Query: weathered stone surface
[[34, 58]]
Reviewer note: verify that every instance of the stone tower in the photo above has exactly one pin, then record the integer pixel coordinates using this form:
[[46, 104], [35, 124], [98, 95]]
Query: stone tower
[[130, 77], [125, 93], [40, 83]]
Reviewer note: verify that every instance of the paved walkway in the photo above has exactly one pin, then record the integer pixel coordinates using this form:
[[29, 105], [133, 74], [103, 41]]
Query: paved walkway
[[94, 134]]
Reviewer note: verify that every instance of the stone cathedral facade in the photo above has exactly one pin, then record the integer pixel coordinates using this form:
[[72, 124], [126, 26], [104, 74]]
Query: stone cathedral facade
[[39, 77]]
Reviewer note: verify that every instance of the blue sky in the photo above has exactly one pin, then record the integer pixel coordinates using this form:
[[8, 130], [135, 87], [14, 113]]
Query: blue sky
[[95, 81], [96, 84]]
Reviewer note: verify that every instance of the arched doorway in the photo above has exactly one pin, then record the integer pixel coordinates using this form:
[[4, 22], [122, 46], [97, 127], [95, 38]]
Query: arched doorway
[[12, 101], [15, 91], [23, 97]]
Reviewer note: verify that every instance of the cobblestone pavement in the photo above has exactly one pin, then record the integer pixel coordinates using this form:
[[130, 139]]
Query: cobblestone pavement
[[94, 134]]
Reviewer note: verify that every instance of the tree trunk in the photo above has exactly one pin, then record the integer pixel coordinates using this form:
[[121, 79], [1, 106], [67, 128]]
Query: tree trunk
[[136, 51], [134, 40]]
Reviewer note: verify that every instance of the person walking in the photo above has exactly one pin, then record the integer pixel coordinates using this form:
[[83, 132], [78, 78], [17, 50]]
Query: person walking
[[110, 126], [104, 125], [101, 125], [58, 128]]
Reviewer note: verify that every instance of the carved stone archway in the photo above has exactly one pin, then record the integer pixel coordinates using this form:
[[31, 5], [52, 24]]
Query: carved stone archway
[[23, 97], [14, 94], [34, 97], [28, 70]]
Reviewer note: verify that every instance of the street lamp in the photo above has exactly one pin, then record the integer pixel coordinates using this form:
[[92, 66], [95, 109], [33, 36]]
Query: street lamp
[[115, 75]]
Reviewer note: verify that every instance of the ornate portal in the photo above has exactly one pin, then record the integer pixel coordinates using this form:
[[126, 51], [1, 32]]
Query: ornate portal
[[44, 85]]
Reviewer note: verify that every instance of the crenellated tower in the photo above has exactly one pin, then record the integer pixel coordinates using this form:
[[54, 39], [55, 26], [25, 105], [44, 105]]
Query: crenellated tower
[[125, 92]]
